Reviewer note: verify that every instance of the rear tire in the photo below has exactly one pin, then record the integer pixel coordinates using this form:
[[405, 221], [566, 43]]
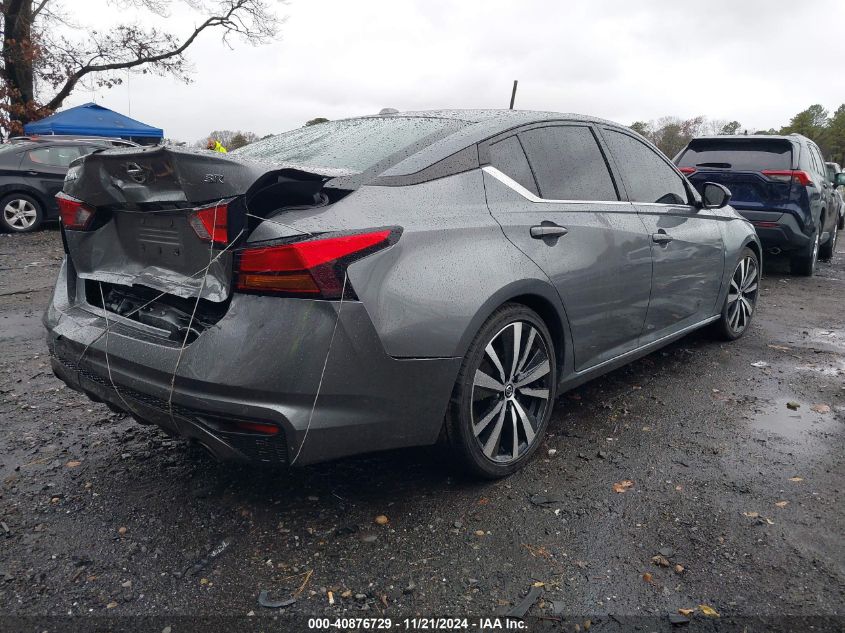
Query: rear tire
[[829, 248], [741, 302], [805, 263], [504, 394], [20, 213]]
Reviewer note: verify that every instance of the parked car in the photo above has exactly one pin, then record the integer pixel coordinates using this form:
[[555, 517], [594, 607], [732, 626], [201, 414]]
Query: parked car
[[381, 282], [779, 183], [832, 170], [32, 171]]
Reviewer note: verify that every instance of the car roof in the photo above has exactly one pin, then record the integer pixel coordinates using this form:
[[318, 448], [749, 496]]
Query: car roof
[[70, 140], [751, 137], [483, 115]]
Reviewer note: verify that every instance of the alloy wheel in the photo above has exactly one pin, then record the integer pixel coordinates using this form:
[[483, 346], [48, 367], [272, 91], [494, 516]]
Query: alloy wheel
[[742, 296], [20, 214], [510, 392]]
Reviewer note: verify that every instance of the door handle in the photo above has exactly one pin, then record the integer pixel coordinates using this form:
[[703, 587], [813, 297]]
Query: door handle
[[542, 231], [661, 238], [31, 173]]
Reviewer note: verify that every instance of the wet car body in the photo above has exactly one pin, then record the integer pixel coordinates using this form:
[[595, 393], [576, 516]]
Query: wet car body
[[187, 343]]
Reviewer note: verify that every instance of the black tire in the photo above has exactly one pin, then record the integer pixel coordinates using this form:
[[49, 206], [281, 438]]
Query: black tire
[[482, 447], [827, 249], [736, 316], [804, 264], [15, 210]]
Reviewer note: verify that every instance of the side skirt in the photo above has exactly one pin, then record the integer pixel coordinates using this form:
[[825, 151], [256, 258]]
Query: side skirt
[[579, 378]]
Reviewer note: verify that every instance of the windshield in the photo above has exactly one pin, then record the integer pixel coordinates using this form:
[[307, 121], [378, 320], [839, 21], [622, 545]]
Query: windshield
[[354, 144], [741, 155]]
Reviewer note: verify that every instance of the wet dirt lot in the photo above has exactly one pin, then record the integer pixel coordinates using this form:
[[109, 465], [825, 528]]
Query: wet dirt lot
[[730, 495]]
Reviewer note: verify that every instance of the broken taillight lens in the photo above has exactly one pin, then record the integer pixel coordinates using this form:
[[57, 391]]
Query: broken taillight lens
[[211, 223], [75, 214], [308, 268]]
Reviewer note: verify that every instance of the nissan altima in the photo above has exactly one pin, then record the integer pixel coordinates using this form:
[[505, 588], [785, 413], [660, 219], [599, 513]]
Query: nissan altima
[[386, 281]]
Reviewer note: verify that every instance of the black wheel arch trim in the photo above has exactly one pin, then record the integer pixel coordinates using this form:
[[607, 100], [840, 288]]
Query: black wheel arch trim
[[532, 293]]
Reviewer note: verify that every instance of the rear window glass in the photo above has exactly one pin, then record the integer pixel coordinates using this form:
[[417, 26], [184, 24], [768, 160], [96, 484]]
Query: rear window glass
[[740, 155], [354, 144], [8, 148], [507, 156]]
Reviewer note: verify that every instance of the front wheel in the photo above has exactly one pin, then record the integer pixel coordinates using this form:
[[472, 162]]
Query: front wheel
[[20, 213], [504, 393], [741, 301]]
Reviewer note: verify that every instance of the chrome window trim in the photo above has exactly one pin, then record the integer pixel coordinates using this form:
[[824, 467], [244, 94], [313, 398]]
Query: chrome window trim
[[665, 205], [512, 184]]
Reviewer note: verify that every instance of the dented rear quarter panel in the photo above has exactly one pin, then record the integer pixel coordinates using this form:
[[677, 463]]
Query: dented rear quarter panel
[[429, 293]]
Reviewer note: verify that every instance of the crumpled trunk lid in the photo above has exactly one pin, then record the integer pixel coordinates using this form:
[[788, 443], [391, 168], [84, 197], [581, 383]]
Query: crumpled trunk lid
[[145, 199]]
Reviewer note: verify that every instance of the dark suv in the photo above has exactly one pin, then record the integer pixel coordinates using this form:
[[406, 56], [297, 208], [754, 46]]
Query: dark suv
[[32, 172], [780, 184]]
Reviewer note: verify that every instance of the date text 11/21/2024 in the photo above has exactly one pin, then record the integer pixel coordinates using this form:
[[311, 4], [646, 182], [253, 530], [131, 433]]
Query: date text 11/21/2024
[[418, 624]]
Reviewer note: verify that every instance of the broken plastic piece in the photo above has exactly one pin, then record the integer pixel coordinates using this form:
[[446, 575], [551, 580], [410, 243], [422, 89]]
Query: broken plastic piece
[[522, 608], [264, 601]]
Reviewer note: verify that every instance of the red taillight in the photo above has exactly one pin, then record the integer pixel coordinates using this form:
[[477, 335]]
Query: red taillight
[[312, 268], [211, 223], [766, 225], [687, 170], [787, 175], [75, 214], [802, 178], [258, 427]]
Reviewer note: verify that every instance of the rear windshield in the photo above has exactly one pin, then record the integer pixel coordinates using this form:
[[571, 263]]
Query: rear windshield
[[741, 155], [354, 144]]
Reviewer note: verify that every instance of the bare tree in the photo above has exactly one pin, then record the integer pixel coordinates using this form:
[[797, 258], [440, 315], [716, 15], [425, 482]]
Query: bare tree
[[42, 63]]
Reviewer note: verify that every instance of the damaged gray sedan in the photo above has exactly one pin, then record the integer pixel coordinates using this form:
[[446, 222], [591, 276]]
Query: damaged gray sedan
[[386, 281]]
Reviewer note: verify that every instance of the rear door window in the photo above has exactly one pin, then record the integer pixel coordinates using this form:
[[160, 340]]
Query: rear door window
[[567, 163], [647, 175], [738, 154], [56, 156], [509, 158], [820, 169]]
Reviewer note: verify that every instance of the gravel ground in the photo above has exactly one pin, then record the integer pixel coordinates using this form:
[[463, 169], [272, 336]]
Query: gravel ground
[[734, 500]]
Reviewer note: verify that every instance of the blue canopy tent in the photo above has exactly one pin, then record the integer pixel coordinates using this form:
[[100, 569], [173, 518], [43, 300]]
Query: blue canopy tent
[[91, 119]]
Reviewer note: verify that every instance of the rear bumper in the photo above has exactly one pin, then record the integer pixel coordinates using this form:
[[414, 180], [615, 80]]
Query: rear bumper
[[262, 362], [777, 230]]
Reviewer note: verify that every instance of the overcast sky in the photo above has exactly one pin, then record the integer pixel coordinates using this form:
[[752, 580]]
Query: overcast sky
[[756, 61]]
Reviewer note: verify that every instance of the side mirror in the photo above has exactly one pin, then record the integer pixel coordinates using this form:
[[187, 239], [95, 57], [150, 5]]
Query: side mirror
[[839, 179], [715, 196]]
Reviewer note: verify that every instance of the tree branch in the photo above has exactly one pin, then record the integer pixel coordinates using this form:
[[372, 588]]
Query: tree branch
[[161, 51], [37, 9]]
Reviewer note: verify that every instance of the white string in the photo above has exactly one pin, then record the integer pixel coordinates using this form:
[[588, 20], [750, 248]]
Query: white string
[[158, 296], [323, 372], [108, 363], [287, 226], [191, 320]]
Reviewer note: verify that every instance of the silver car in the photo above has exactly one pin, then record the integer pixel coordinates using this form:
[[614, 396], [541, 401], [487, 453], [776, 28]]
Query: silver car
[[386, 281]]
